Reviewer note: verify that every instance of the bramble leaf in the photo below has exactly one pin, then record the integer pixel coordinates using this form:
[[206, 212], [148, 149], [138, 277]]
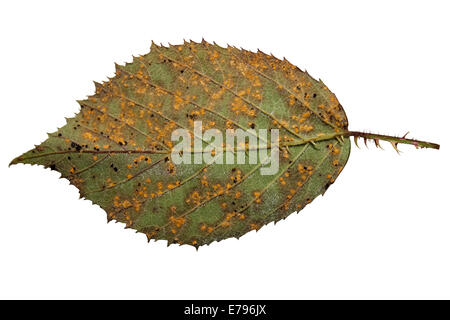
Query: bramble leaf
[[118, 149]]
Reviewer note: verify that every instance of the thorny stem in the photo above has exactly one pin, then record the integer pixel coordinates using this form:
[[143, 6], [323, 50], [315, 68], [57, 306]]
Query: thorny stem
[[393, 140]]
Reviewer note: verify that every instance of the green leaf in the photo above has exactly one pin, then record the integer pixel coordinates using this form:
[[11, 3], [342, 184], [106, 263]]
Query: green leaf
[[118, 149]]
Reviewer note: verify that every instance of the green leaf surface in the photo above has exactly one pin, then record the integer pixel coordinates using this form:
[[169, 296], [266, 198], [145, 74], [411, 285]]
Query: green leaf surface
[[117, 149]]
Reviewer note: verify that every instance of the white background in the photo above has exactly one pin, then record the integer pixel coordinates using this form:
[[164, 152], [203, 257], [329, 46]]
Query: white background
[[381, 231]]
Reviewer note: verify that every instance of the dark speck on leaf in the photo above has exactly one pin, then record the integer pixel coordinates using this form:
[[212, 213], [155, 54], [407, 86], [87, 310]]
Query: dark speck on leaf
[[76, 146]]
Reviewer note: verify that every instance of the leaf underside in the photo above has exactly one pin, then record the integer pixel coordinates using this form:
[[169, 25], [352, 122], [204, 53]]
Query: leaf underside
[[116, 150]]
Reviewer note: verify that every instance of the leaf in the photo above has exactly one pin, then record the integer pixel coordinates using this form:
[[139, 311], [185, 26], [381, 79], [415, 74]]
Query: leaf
[[118, 149]]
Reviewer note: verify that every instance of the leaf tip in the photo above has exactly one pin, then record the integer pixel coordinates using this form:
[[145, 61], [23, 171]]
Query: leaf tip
[[15, 161]]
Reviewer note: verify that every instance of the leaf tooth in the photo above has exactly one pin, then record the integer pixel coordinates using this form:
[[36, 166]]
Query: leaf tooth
[[81, 196], [98, 86], [365, 141], [117, 67]]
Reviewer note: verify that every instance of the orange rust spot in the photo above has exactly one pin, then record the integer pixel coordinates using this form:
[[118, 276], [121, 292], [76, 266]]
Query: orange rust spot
[[257, 195], [180, 221], [126, 204], [225, 224]]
